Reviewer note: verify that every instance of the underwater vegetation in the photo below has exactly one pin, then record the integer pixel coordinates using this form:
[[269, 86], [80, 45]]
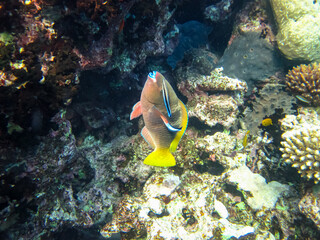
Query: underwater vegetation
[[243, 75]]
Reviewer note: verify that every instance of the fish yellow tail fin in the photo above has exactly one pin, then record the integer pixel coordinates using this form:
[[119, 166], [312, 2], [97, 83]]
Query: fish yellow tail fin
[[160, 158]]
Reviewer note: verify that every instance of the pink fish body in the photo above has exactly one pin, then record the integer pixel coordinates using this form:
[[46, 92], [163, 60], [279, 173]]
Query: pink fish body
[[165, 118]]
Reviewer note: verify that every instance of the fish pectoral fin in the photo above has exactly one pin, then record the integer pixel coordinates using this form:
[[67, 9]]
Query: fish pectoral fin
[[160, 157], [147, 137], [136, 111], [165, 121]]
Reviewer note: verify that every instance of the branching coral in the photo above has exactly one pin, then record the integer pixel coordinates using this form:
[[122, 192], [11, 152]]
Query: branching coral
[[305, 81], [301, 145]]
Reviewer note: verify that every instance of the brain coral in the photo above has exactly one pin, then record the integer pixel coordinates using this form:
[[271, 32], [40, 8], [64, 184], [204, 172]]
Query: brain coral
[[305, 81], [301, 146], [298, 28]]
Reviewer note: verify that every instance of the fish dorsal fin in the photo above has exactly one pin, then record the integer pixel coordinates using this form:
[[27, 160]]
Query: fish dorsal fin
[[165, 121], [136, 111], [165, 95]]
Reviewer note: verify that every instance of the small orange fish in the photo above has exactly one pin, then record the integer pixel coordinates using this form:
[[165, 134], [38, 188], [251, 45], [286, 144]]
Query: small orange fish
[[266, 122], [165, 118]]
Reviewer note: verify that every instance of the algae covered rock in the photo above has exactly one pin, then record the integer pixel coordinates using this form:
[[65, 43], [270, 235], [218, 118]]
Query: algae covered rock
[[298, 28], [214, 110], [310, 205], [250, 57], [214, 98]]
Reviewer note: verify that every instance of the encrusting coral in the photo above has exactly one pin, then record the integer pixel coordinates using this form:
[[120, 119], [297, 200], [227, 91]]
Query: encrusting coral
[[301, 145], [305, 81]]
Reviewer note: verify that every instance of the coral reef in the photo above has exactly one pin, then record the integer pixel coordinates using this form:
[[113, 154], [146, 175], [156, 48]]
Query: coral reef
[[309, 205], [7, 79], [301, 145], [250, 51], [262, 195], [44, 50], [172, 210], [270, 98], [212, 109], [197, 61], [296, 20], [71, 163], [304, 80], [254, 17], [219, 11], [93, 116], [89, 180], [66, 184], [214, 82], [200, 206]]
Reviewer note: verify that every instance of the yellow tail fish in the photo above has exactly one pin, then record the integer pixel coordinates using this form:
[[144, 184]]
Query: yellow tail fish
[[165, 118]]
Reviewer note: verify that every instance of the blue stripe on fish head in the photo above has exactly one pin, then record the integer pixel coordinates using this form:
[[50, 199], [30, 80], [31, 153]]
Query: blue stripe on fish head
[[165, 96]]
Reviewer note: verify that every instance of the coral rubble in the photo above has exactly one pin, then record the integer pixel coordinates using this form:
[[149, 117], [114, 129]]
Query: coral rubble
[[305, 81]]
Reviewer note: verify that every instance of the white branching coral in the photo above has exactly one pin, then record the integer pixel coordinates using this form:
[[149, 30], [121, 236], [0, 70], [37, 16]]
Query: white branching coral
[[301, 148]]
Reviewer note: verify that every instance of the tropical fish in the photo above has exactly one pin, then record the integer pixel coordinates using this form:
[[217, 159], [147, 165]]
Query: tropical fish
[[266, 122], [165, 118], [302, 99], [245, 139], [121, 26]]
